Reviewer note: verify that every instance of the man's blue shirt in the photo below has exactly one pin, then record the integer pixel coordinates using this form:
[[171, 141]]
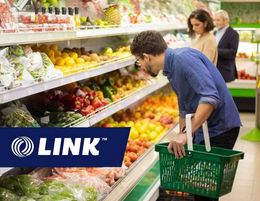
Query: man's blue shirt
[[196, 80]]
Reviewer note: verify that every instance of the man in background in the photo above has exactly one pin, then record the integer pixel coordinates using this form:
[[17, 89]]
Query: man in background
[[227, 41]]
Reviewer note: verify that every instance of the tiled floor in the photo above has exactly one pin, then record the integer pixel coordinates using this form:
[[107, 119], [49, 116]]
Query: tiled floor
[[247, 182]]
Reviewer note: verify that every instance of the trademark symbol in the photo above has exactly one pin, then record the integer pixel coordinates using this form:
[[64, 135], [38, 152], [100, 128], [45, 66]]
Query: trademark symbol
[[104, 139]]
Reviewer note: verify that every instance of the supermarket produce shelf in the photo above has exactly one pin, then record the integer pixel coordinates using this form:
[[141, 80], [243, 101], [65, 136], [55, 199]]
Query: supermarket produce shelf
[[246, 26], [54, 36], [20, 92], [127, 30], [127, 101], [35, 37], [242, 88], [242, 84], [137, 171]]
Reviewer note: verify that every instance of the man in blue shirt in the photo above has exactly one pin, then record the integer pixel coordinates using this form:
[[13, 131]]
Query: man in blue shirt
[[199, 87]]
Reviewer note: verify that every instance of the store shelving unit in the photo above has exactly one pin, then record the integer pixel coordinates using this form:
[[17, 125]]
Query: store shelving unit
[[150, 158], [90, 32], [20, 92]]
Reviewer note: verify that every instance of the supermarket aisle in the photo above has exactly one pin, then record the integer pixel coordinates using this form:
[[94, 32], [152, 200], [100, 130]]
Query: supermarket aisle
[[247, 182]]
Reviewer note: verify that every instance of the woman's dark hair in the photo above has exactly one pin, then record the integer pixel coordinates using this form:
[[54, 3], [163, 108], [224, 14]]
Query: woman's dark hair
[[149, 42], [202, 16]]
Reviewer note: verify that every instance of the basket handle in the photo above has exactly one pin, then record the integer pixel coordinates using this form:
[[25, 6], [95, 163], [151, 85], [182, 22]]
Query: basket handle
[[189, 133]]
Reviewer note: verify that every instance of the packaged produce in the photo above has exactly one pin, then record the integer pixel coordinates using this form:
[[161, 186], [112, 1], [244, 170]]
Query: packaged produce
[[82, 178], [17, 115], [7, 195], [58, 190], [21, 185], [28, 188]]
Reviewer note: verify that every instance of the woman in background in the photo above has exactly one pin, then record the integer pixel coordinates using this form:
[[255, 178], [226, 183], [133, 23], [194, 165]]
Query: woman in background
[[200, 25]]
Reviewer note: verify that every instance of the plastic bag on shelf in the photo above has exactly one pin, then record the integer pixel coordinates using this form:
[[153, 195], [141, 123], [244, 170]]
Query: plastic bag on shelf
[[7, 73], [63, 190], [82, 178], [35, 66], [51, 72], [17, 115], [21, 185]]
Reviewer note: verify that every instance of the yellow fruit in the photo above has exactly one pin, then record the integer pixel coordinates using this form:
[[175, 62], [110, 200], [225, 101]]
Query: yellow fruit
[[134, 133], [74, 55], [80, 61], [60, 62], [53, 60], [70, 61], [54, 47], [152, 135]]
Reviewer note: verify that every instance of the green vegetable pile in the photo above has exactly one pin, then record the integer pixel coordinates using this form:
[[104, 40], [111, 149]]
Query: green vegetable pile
[[25, 188]]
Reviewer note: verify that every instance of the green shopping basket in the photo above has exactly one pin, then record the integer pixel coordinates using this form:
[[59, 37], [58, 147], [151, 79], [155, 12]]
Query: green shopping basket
[[200, 172]]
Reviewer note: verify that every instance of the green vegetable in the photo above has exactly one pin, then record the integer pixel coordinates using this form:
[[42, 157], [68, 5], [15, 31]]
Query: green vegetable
[[61, 119], [22, 185], [107, 92], [7, 195], [16, 51], [50, 187], [84, 193], [20, 118], [94, 87], [58, 190]]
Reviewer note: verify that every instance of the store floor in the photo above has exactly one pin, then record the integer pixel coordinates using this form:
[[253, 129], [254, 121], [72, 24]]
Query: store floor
[[247, 181]]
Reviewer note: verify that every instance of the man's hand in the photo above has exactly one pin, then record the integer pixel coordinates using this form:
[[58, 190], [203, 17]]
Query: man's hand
[[176, 145]]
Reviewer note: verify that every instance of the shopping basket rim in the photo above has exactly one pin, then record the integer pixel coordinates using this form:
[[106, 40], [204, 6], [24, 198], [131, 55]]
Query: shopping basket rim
[[162, 147]]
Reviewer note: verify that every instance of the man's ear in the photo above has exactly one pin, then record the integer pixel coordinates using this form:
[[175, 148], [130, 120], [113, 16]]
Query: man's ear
[[146, 57]]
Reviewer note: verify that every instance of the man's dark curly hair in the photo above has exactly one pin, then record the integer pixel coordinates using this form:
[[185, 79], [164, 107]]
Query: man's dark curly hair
[[149, 42], [202, 16]]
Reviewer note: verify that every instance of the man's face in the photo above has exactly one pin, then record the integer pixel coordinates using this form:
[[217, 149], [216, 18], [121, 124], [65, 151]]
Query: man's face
[[219, 22], [149, 64]]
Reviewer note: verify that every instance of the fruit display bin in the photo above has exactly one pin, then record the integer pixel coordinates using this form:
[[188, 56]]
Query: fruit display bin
[[210, 174]]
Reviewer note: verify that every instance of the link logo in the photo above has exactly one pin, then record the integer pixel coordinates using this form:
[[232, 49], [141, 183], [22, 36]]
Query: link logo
[[63, 147], [22, 146]]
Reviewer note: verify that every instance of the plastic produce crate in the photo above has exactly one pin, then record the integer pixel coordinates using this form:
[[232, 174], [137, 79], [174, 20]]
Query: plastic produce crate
[[210, 174]]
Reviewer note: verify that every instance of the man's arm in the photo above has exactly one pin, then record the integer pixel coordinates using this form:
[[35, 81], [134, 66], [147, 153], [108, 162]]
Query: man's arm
[[181, 124], [202, 113]]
